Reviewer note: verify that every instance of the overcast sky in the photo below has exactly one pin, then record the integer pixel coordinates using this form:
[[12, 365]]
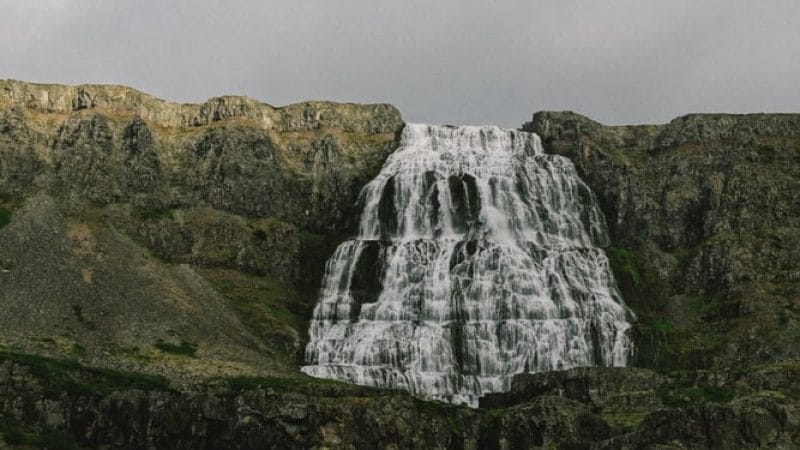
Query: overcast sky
[[439, 61]]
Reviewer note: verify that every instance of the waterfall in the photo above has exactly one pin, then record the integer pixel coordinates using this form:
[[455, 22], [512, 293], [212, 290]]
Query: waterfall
[[477, 257]]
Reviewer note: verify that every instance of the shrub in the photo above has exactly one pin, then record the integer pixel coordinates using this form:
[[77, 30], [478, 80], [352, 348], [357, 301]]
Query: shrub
[[5, 217], [185, 348]]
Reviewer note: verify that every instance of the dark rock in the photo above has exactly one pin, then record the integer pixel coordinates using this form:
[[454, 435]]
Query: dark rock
[[82, 100], [704, 228], [215, 417], [590, 385]]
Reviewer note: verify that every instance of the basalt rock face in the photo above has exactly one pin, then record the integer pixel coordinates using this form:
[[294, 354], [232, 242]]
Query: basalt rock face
[[705, 222], [303, 164], [334, 416], [44, 402]]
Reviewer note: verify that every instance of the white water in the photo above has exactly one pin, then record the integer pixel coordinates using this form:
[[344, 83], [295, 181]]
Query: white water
[[478, 257]]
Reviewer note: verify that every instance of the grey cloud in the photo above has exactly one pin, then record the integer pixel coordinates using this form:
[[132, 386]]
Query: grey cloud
[[439, 61]]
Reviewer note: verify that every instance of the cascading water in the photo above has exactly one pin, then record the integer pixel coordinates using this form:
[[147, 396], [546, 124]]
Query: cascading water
[[478, 257]]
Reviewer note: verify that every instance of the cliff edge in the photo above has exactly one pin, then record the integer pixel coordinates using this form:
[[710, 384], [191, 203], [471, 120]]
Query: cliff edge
[[705, 222]]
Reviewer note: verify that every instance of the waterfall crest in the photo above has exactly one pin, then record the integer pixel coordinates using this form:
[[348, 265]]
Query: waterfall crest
[[478, 257]]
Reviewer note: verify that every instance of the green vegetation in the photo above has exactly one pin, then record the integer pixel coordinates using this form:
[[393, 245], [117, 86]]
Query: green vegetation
[[662, 325], [269, 226], [7, 206], [270, 309], [5, 216], [623, 261], [12, 433], [60, 375], [692, 395], [155, 213], [627, 420], [245, 383], [77, 351], [670, 333], [184, 348]]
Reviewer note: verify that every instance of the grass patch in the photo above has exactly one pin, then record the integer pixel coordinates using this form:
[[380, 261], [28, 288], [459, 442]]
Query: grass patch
[[623, 261], [155, 213], [692, 395], [662, 325], [7, 206], [77, 351], [12, 433], [270, 309], [627, 421], [246, 383], [5, 216], [61, 375], [184, 348]]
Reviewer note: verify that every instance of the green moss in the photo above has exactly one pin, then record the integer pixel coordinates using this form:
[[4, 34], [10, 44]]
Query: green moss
[[683, 396], [663, 325], [777, 395], [791, 364], [270, 309], [184, 348], [69, 376], [155, 213], [627, 421], [623, 261], [245, 383], [370, 140], [674, 329], [14, 434], [5, 216], [673, 341], [77, 351], [8, 205], [218, 253]]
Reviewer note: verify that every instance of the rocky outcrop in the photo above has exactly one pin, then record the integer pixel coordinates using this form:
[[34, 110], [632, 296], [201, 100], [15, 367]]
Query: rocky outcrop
[[591, 385], [303, 164], [121, 100], [706, 229], [684, 182], [269, 415], [748, 423], [133, 225], [45, 399]]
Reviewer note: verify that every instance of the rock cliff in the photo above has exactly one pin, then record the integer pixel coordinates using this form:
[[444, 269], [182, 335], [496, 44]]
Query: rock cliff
[[60, 404], [303, 164], [705, 219], [177, 239], [159, 263]]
